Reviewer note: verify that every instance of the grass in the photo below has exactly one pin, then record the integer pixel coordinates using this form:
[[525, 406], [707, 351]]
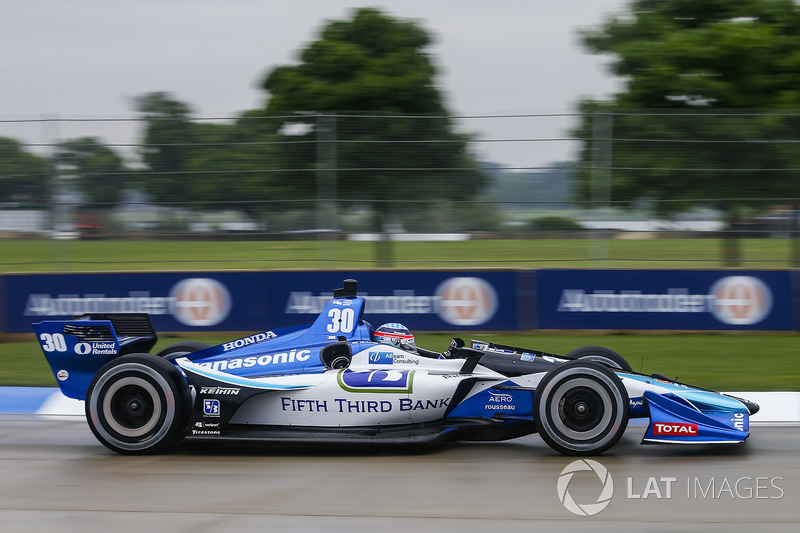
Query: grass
[[48, 255], [721, 362]]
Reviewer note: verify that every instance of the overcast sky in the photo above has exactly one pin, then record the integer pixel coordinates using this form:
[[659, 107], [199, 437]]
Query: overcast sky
[[91, 58]]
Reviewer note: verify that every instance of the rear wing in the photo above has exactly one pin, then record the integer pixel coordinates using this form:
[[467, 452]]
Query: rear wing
[[76, 349]]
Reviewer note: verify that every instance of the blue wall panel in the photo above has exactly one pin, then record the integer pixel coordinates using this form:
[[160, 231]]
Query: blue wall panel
[[665, 299]]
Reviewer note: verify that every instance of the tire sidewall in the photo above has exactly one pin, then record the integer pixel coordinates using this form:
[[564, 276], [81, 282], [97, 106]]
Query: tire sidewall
[[602, 384], [161, 387], [182, 348], [600, 354]]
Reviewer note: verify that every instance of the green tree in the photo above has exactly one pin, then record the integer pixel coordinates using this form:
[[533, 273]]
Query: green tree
[[370, 84], [167, 148], [99, 172], [24, 177], [235, 164], [679, 132], [206, 163]]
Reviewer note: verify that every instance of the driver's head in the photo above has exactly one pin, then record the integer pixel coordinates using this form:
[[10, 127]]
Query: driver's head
[[395, 334]]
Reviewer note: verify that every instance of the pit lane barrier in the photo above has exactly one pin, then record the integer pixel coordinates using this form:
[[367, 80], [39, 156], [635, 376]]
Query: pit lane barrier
[[777, 407]]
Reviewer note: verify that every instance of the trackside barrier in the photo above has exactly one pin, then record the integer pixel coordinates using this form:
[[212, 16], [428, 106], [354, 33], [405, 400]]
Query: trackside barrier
[[469, 300], [667, 300]]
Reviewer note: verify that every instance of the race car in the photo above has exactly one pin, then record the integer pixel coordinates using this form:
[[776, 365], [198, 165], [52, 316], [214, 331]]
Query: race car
[[336, 382]]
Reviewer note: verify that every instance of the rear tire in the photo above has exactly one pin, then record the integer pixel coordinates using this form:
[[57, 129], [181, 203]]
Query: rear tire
[[601, 354], [138, 404], [182, 348], [580, 408]]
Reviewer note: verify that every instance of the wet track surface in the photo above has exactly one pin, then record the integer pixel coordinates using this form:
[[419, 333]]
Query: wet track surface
[[57, 477]]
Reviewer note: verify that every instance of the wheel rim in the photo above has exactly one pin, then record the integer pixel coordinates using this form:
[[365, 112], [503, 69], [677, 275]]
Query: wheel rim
[[132, 407], [583, 410]]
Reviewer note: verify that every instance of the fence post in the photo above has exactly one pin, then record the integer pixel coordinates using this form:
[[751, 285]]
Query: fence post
[[59, 208], [794, 236], [602, 131], [327, 218]]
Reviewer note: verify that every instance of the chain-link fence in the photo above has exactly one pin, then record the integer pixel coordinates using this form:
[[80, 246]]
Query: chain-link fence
[[603, 176]]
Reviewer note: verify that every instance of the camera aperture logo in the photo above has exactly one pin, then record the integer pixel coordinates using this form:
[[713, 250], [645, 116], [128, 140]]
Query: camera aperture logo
[[585, 509]]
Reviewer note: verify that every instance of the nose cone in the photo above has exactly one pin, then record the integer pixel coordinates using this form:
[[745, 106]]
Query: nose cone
[[752, 407]]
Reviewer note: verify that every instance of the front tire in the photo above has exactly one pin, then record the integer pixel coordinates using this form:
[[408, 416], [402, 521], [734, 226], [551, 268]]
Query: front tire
[[580, 408], [138, 404]]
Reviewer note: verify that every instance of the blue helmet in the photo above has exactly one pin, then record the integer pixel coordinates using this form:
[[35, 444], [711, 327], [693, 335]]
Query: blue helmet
[[396, 334]]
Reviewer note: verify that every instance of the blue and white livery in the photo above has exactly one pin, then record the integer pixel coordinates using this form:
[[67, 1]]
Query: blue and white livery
[[336, 382]]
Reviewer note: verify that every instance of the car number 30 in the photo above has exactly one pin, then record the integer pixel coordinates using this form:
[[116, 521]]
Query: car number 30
[[342, 320], [53, 343]]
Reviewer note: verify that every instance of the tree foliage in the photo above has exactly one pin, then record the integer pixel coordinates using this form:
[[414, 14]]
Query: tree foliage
[[691, 123], [372, 78], [370, 63], [683, 53], [99, 172], [204, 162], [23, 175]]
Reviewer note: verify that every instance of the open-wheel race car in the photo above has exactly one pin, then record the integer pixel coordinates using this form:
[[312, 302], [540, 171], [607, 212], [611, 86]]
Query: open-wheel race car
[[337, 382]]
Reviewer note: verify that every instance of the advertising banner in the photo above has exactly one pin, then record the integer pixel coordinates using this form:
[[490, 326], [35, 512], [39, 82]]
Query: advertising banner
[[423, 301], [249, 301], [665, 300]]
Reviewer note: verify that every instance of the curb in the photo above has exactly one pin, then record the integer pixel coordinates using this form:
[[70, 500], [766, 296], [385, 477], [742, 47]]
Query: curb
[[37, 401], [776, 407]]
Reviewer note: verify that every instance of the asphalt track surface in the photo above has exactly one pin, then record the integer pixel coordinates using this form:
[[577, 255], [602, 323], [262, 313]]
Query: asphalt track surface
[[57, 477]]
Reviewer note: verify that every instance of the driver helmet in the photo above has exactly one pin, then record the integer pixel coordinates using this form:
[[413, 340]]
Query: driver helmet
[[396, 334]]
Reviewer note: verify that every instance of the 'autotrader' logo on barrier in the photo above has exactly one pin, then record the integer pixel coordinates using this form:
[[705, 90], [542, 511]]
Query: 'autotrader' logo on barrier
[[606, 492], [741, 300], [466, 301], [200, 302], [732, 300]]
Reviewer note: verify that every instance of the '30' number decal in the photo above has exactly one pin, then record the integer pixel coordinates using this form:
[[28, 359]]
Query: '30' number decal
[[342, 320], [53, 343]]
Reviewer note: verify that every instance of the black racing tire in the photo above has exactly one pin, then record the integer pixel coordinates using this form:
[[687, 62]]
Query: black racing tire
[[601, 354], [182, 348], [138, 404], [581, 408]]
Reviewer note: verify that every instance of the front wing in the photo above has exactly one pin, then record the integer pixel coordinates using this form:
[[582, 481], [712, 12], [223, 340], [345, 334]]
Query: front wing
[[677, 420]]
